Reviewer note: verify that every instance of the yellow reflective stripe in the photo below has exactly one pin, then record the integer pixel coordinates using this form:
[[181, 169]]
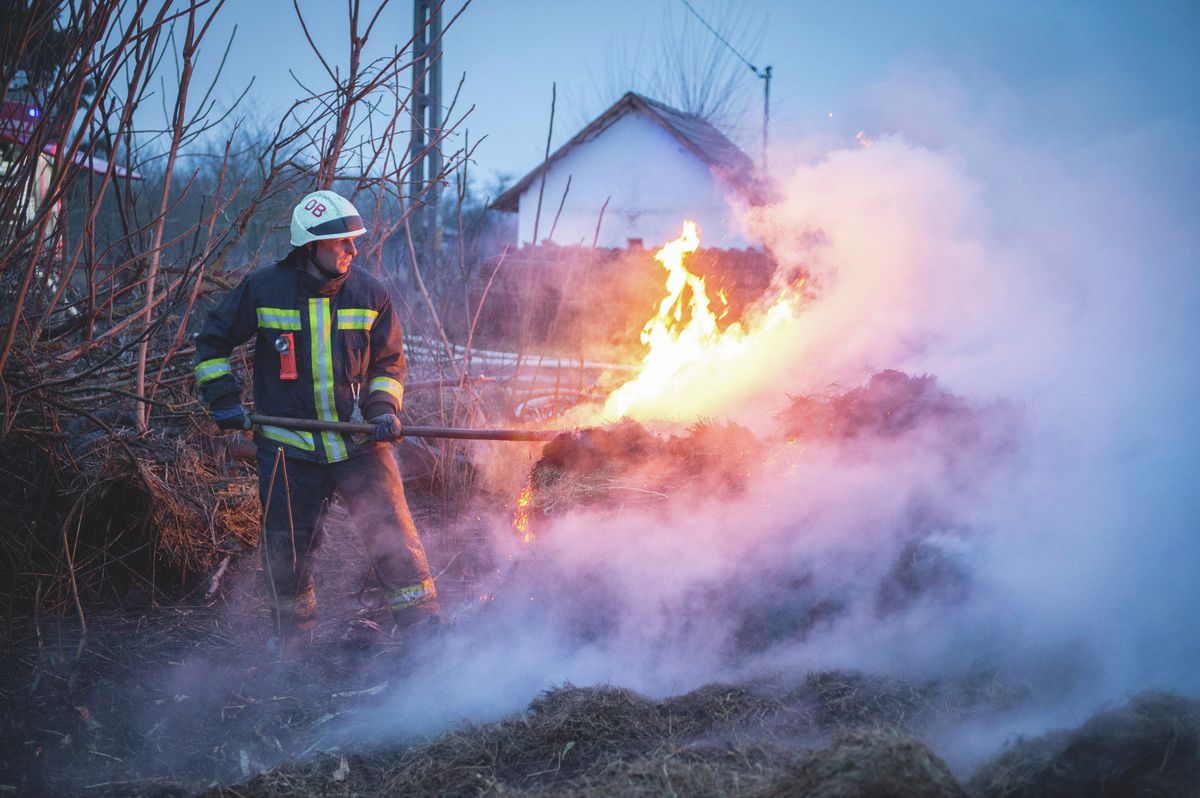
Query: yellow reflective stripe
[[356, 318], [209, 370], [321, 334], [388, 386], [412, 595], [278, 318], [298, 438]]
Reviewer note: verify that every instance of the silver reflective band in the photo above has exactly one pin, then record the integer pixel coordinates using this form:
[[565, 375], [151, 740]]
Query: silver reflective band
[[346, 224]]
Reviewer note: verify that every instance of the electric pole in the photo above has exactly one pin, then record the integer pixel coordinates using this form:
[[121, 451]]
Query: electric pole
[[762, 74], [425, 148]]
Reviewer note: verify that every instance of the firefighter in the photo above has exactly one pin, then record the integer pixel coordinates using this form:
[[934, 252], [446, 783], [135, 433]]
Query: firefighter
[[328, 346]]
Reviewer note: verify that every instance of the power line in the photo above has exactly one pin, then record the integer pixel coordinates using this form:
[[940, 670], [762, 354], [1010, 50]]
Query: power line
[[763, 74], [721, 38]]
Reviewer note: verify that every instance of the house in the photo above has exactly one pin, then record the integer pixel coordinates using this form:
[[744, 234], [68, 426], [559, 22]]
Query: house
[[22, 124], [633, 175]]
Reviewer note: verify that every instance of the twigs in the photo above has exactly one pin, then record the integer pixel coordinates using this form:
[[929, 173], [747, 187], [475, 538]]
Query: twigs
[[537, 217], [68, 552], [178, 129]]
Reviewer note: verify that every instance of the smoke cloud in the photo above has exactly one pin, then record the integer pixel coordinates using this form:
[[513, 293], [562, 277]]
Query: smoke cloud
[[1054, 277]]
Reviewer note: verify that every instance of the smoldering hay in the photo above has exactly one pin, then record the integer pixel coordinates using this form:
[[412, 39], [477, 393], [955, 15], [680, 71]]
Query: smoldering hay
[[1012, 286]]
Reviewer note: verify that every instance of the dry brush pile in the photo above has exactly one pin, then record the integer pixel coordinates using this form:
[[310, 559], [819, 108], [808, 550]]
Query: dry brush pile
[[757, 740]]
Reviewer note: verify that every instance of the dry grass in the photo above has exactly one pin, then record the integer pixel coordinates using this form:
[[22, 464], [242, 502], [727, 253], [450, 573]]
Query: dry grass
[[1149, 747], [119, 518], [625, 463], [763, 738]]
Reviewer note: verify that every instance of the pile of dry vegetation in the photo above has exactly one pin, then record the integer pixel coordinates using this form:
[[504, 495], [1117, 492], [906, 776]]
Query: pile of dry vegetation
[[1149, 747], [755, 740], [104, 516], [625, 463]]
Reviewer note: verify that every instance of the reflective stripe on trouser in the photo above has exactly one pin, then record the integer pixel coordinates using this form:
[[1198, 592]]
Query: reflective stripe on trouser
[[371, 490]]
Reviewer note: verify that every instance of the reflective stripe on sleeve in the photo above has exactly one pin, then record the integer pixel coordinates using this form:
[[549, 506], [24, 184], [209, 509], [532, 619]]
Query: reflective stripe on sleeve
[[278, 318], [209, 370], [321, 334], [412, 595], [394, 388], [356, 318], [298, 438]]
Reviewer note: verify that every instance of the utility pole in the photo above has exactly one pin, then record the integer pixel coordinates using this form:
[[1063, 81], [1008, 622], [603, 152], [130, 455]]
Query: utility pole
[[766, 79], [425, 149], [762, 74]]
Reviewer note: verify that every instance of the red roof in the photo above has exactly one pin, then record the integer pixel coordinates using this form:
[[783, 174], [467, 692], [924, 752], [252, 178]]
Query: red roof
[[19, 121]]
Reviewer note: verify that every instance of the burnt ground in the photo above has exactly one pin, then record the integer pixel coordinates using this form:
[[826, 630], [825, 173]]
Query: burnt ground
[[172, 703], [186, 700], [170, 700]]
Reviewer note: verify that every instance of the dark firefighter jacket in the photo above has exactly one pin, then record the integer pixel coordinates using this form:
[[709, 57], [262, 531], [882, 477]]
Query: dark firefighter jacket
[[347, 339]]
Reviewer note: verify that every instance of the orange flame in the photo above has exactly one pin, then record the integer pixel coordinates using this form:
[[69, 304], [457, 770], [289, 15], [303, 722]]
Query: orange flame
[[694, 366], [521, 515]]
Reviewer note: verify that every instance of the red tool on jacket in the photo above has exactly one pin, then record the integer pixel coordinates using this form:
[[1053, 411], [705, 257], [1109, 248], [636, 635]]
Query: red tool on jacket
[[285, 345]]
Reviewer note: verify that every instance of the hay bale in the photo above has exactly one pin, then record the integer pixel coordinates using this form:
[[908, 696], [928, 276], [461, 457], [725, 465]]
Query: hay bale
[[1149, 747], [868, 764]]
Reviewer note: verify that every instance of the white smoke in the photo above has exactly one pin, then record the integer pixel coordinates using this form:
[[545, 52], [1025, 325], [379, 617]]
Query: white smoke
[[1058, 279]]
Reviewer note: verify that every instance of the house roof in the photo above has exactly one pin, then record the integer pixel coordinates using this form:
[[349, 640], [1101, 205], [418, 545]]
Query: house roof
[[18, 123], [699, 137]]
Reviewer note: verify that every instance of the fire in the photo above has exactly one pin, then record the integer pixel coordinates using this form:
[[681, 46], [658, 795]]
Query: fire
[[521, 515], [693, 366]]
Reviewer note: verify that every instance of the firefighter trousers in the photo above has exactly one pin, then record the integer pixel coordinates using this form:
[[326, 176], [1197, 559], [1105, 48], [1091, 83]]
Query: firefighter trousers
[[370, 486]]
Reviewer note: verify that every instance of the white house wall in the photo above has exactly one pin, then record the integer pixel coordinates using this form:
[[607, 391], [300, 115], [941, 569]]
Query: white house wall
[[653, 183]]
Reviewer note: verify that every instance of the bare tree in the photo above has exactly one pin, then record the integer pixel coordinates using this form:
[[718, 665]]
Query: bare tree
[[689, 67], [110, 239]]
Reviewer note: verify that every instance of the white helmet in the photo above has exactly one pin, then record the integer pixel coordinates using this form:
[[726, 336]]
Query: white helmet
[[322, 215]]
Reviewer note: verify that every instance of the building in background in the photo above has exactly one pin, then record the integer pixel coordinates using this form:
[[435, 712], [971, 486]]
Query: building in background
[[25, 175], [634, 174]]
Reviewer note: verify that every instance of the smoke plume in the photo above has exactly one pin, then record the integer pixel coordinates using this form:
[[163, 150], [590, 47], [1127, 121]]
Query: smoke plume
[[1051, 285]]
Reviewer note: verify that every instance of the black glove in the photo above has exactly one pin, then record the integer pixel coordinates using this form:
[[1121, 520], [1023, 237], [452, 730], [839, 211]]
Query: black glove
[[232, 416], [387, 427]]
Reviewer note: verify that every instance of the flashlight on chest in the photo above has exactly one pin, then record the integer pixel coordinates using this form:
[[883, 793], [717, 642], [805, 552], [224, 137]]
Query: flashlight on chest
[[285, 345]]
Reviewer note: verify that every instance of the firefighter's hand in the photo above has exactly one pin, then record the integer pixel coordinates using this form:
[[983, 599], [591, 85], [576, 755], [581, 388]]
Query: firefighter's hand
[[387, 427], [235, 416]]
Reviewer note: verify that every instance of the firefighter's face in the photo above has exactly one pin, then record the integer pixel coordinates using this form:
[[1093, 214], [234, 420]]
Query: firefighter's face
[[335, 254]]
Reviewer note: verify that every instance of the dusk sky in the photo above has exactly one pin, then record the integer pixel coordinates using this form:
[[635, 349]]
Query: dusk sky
[[1064, 70]]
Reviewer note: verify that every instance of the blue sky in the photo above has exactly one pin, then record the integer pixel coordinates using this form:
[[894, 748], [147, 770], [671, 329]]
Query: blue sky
[[1072, 68]]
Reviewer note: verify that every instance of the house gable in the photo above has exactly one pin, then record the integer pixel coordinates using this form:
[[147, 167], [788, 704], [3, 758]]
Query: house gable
[[636, 172]]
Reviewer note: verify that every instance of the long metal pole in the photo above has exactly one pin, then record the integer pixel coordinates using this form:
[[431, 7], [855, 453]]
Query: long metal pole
[[349, 428], [766, 77]]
